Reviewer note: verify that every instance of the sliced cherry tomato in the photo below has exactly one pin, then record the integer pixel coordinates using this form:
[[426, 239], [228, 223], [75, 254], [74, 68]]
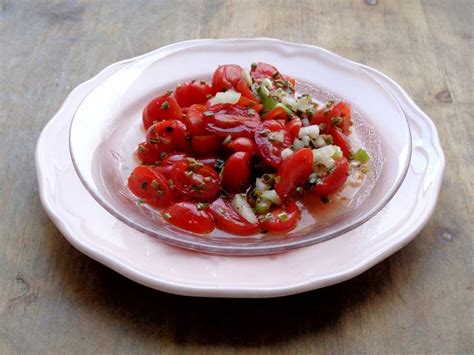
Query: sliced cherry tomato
[[164, 107], [193, 92], [228, 220], [294, 172], [147, 154], [333, 182], [166, 166], [280, 219], [226, 77], [322, 117], [277, 113], [293, 128], [168, 136], [225, 119], [343, 110], [339, 139], [243, 88], [189, 216], [206, 145], [195, 180], [236, 175], [242, 144], [271, 138], [264, 71], [151, 186], [245, 102], [194, 120]]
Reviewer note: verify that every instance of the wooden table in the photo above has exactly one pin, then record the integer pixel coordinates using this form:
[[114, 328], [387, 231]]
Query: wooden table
[[53, 299]]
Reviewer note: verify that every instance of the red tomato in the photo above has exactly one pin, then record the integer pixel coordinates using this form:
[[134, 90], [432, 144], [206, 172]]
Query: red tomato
[[294, 171], [243, 88], [322, 117], [226, 77], [333, 182], [228, 220], [280, 219], [194, 120], [264, 70], [293, 128], [271, 138], [188, 216], [147, 154], [195, 180], [151, 186], [339, 139], [193, 92], [166, 166], [236, 174], [161, 108], [168, 136], [242, 144], [226, 119], [205, 145], [245, 102], [277, 113], [343, 110]]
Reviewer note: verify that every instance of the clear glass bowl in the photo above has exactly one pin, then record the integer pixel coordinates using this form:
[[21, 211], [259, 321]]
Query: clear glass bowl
[[107, 127]]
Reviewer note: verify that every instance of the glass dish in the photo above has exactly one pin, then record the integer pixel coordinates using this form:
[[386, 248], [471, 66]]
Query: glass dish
[[107, 127]]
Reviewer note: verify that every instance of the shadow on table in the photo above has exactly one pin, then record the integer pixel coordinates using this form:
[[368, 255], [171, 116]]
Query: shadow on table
[[155, 315]]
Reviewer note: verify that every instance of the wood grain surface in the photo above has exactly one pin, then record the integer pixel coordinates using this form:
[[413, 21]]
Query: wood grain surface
[[53, 299]]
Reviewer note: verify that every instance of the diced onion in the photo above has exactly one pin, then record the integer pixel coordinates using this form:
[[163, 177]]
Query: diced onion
[[246, 76], [278, 136], [306, 141], [285, 153], [320, 142], [240, 204], [272, 196], [326, 155], [267, 83], [297, 144], [305, 122], [310, 131], [260, 185], [228, 97]]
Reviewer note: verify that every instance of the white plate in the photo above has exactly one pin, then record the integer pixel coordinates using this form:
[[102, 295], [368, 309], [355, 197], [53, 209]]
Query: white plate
[[150, 262]]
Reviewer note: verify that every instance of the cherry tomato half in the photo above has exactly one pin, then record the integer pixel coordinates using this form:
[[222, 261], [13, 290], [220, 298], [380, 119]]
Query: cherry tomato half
[[294, 172], [242, 144], [193, 92], [166, 166], [151, 186], [333, 182], [228, 220], [168, 136], [190, 217], [148, 154], [195, 181], [271, 138], [340, 140], [226, 77], [236, 175], [225, 119], [194, 120], [164, 107], [277, 113], [243, 88], [343, 110], [206, 145], [280, 219], [293, 128]]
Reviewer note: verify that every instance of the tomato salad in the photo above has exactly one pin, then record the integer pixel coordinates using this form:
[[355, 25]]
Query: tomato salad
[[239, 153]]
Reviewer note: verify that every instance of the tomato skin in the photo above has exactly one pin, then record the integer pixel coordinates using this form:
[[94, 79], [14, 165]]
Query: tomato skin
[[168, 136], [242, 144], [187, 216], [166, 166], [147, 154], [324, 116], [294, 172], [206, 145], [236, 175], [151, 186], [245, 102], [333, 182], [193, 92], [195, 181], [226, 119], [164, 107], [245, 91], [293, 128], [226, 77], [194, 120], [340, 140], [228, 220], [277, 113], [269, 150], [275, 224], [263, 71]]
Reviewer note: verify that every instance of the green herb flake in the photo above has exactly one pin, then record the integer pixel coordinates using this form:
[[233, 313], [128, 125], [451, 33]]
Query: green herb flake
[[268, 217], [202, 82], [330, 103], [169, 92], [325, 199], [336, 120], [163, 155], [143, 185], [361, 156], [277, 179], [167, 215], [200, 206], [253, 66], [165, 105], [283, 216]]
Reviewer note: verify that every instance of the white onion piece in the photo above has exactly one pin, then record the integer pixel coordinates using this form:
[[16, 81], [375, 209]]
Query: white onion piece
[[240, 204], [228, 97]]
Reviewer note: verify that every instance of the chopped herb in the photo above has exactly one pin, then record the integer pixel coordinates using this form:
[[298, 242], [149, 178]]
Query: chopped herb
[[200, 206], [326, 111], [364, 170], [169, 92], [328, 139], [283, 216], [309, 113], [163, 155], [325, 199], [268, 178], [167, 215], [207, 179], [141, 148], [330, 103], [361, 155], [208, 96], [322, 126], [165, 105], [253, 66], [144, 185], [219, 164], [202, 82], [170, 183], [155, 184], [277, 179], [268, 217], [275, 74], [153, 140], [336, 120]]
